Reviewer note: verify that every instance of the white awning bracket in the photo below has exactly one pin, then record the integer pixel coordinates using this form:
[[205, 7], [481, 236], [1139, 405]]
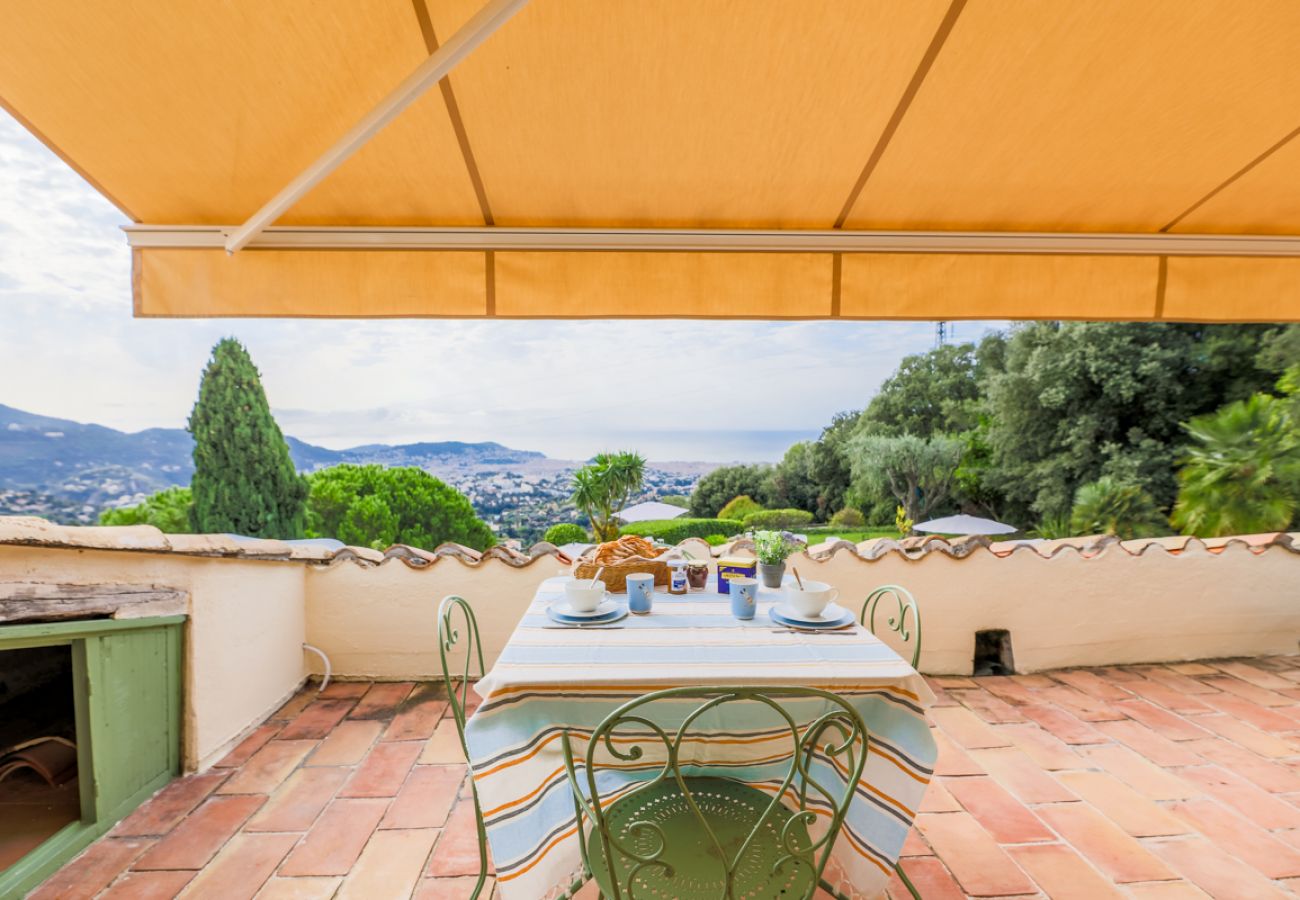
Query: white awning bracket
[[713, 241], [474, 32]]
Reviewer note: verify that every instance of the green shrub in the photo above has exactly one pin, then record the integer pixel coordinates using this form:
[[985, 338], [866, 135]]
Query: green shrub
[[672, 531], [778, 518], [848, 517], [740, 507], [716, 540], [566, 533]]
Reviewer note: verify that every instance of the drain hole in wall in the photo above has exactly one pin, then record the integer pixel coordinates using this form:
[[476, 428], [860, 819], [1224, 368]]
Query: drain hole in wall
[[993, 654]]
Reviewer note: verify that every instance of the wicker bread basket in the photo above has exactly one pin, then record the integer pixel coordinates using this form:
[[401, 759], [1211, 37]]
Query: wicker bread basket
[[615, 574]]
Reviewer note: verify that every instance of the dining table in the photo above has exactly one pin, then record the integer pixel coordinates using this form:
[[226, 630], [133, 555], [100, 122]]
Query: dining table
[[550, 679]]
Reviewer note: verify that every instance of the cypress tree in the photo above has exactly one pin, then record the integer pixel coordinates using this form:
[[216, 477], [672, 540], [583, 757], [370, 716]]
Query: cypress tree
[[244, 479]]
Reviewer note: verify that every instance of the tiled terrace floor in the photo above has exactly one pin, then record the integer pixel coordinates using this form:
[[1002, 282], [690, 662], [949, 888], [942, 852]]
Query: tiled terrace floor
[[1146, 782]]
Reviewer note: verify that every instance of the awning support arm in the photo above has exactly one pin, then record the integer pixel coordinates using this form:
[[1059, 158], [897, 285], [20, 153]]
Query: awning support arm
[[474, 32]]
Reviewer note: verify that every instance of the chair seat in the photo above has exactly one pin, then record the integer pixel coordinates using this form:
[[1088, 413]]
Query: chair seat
[[693, 869]]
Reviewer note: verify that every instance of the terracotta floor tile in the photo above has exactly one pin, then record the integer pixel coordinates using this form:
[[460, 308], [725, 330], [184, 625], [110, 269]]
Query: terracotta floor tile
[[268, 768], [249, 745], [1167, 697], [1063, 725], [1140, 774], [1117, 854], [1249, 736], [345, 690], [1080, 705], [1091, 684], [1163, 722], [1034, 682], [294, 705], [317, 720], [1252, 674], [241, 868], [1005, 687], [419, 715], [1213, 870], [966, 729], [1255, 804], [426, 798], [147, 886], [382, 700], [931, 880], [1259, 716], [951, 681], [1166, 890], [1145, 742], [1013, 770], [1252, 692], [988, 707], [1045, 749], [296, 803], [1124, 675], [320, 888], [346, 745], [1272, 777], [383, 770], [1003, 816], [1137, 815], [455, 888], [1177, 681], [1062, 873], [1192, 668], [90, 873], [456, 852], [336, 840], [390, 865], [974, 858], [1240, 838], [938, 798], [191, 844], [952, 760], [444, 747], [173, 803], [915, 845]]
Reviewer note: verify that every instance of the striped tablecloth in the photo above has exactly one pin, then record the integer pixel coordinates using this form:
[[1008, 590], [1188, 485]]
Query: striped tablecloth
[[550, 679]]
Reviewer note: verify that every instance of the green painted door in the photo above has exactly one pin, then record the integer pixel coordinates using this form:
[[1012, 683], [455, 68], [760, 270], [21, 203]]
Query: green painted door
[[127, 684]]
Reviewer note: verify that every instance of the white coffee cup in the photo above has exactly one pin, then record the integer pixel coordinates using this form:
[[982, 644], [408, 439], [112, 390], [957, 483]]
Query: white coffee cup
[[812, 599], [582, 596]]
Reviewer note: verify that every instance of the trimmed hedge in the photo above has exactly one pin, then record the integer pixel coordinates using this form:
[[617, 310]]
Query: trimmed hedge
[[566, 533], [777, 518], [740, 507], [672, 531]]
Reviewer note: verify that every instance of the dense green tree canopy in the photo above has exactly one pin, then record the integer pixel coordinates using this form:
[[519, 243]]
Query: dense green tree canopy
[[792, 482], [168, 511], [933, 393], [244, 479], [917, 472], [716, 489], [374, 506]]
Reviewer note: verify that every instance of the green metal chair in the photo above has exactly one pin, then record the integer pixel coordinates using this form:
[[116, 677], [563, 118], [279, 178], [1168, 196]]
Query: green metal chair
[[692, 837], [458, 692], [906, 604]]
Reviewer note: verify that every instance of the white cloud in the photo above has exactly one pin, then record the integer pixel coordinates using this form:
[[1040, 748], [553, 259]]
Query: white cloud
[[69, 347]]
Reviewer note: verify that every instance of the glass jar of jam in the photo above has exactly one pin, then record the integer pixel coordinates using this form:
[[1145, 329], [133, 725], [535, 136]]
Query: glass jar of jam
[[697, 574]]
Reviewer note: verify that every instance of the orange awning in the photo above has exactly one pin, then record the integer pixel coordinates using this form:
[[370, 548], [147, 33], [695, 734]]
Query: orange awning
[[934, 159]]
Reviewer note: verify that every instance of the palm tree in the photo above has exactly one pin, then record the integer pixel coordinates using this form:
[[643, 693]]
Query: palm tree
[[1242, 473], [604, 486], [1108, 506]]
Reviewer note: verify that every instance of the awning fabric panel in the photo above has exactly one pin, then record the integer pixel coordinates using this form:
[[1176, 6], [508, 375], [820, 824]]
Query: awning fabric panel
[[1005, 116]]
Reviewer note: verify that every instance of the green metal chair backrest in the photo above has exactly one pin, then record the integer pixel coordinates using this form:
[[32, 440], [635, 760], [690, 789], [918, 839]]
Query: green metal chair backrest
[[904, 603], [449, 635], [836, 736]]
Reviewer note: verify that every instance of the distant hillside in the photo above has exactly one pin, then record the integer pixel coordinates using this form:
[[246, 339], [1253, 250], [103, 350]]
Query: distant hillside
[[71, 465]]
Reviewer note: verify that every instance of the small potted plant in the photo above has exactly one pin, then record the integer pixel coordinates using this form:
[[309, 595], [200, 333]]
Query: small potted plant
[[772, 549]]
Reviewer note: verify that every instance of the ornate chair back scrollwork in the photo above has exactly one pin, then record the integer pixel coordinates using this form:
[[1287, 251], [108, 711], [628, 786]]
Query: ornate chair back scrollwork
[[465, 633], [686, 825], [899, 604]]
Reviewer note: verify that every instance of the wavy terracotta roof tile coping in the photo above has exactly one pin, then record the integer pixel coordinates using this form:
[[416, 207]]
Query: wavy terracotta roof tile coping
[[1131, 782], [36, 532]]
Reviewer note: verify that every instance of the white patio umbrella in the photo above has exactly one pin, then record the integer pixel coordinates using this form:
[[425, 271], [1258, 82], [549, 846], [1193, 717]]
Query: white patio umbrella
[[651, 511], [964, 525]]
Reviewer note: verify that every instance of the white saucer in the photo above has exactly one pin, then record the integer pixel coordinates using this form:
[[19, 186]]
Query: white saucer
[[605, 607], [833, 612]]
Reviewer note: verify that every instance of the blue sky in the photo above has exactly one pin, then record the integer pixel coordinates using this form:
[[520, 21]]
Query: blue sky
[[713, 391]]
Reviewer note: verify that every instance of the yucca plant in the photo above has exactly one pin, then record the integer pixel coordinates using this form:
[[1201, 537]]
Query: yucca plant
[[604, 486], [1242, 473], [1109, 506]]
